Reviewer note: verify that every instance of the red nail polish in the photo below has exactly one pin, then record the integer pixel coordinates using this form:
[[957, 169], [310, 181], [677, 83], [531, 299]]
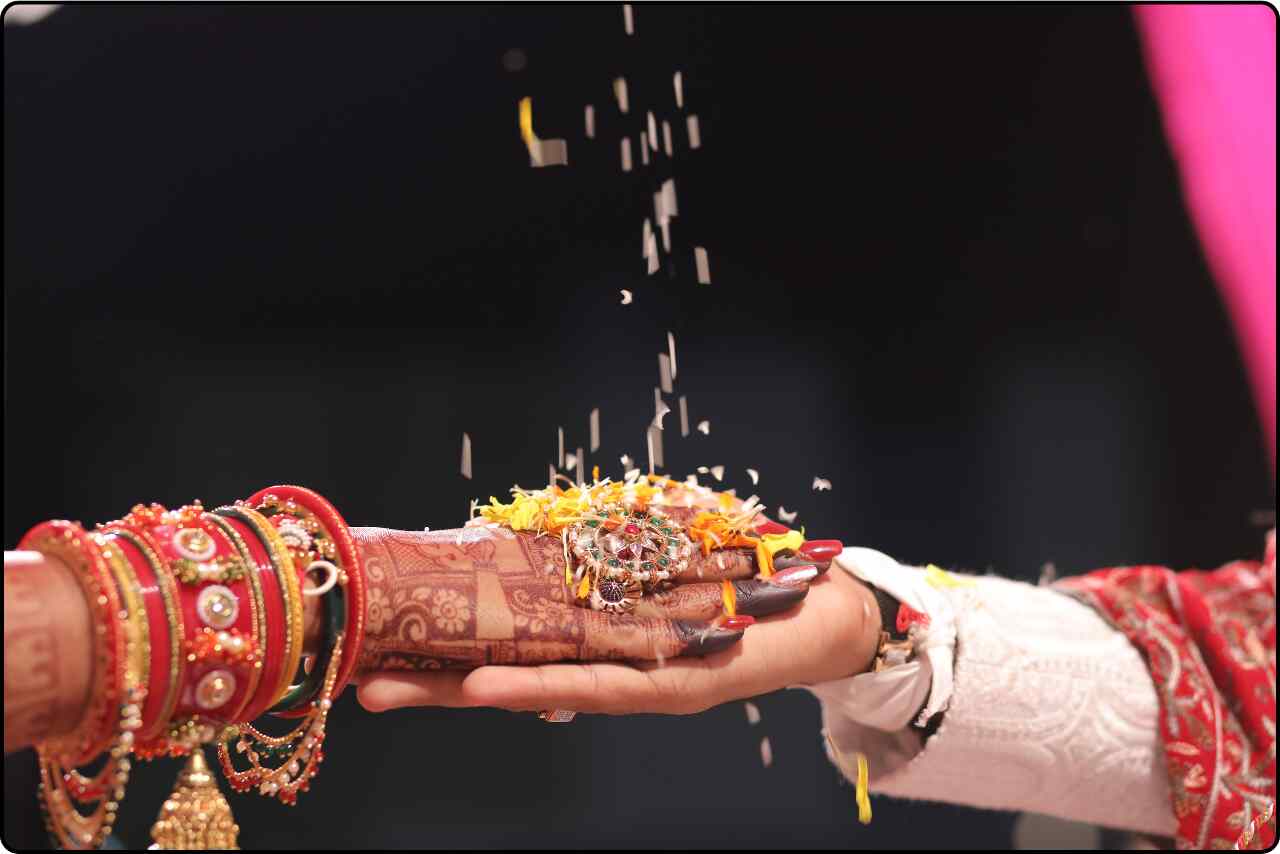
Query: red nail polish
[[771, 527], [740, 621], [796, 575], [822, 549]]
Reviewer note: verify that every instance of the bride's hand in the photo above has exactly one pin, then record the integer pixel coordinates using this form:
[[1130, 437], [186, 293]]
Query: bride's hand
[[465, 598], [481, 596], [831, 637]]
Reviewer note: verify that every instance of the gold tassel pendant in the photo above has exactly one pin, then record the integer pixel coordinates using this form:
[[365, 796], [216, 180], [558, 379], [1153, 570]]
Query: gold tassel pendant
[[196, 816]]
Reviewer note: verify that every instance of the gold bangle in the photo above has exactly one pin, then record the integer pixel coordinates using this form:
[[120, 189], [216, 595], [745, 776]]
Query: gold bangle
[[137, 645], [257, 606], [290, 590], [173, 616]]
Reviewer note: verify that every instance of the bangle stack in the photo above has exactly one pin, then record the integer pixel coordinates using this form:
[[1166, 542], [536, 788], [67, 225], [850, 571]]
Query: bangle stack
[[197, 619]]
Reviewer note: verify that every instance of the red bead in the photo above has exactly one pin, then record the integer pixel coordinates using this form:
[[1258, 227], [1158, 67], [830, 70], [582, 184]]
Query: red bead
[[908, 616], [632, 528]]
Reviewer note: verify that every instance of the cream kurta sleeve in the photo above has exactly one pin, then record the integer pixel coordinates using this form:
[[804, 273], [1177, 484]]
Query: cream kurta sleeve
[[1047, 708]]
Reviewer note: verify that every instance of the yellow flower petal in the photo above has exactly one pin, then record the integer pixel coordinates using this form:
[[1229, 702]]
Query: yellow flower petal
[[771, 544], [730, 598]]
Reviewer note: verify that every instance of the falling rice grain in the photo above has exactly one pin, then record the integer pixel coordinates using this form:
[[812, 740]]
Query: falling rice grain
[[589, 118], [677, 82], [620, 93], [669, 198], [766, 752], [628, 19], [653, 130], [703, 265], [684, 411], [595, 430], [695, 134], [466, 456], [704, 427], [785, 515], [753, 713], [663, 409], [666, 137], [664, 372], [820, 484], [626, 297], [626, 154], [755, 475]]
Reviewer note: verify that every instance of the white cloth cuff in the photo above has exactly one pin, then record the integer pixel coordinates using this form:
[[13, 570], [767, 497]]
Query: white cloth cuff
[[887, 700]]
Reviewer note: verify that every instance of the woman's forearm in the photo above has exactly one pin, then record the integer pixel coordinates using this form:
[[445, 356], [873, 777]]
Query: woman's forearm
[[48, 650]]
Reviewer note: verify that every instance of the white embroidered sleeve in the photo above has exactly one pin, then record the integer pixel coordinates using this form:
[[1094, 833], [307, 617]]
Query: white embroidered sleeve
[[1048, 708]]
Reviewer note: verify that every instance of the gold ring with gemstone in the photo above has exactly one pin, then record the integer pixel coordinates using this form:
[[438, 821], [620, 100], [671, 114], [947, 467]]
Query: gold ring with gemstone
[[622, 554]]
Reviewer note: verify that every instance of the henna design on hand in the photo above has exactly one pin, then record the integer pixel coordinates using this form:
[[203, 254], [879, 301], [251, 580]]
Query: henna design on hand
[[480, 595]]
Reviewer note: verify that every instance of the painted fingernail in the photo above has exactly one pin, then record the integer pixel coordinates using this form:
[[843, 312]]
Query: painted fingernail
[[761, 598], [818, 550], [703, 638], [790, 560], [771, 527], [796, 577], [737, 621]]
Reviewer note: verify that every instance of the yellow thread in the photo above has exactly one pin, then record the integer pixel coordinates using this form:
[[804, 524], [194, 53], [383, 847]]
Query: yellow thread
[[938, 577], [864, 801]]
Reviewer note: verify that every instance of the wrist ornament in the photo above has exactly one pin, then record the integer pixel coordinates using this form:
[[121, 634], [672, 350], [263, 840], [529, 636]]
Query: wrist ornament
[[197, 628]]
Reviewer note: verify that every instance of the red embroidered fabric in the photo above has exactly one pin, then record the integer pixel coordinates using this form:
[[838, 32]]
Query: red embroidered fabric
[[1209, 639]]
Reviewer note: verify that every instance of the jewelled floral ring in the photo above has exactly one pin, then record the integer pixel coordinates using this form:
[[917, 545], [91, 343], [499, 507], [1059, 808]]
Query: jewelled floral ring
[[621, 554]]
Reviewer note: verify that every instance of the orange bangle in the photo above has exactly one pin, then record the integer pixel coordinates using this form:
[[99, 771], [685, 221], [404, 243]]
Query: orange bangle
[[71, 544]]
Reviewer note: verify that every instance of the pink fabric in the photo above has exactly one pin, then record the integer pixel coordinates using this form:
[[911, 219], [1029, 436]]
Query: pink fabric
[[1214, 72]]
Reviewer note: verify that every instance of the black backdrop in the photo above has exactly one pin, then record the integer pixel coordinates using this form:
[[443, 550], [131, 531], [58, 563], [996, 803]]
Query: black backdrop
[[247, 245]]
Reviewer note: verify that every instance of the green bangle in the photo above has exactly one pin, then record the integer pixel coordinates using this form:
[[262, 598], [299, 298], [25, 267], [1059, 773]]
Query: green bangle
[[335, 608]]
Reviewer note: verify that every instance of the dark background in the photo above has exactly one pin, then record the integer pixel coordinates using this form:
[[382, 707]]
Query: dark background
[[953, 273]]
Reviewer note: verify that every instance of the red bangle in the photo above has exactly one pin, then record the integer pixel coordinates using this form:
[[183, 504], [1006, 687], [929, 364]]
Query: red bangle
[[348, 562], [218, 673], [215, 633], [218, 611], [164, 619], [71, 544], [271, 653]]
